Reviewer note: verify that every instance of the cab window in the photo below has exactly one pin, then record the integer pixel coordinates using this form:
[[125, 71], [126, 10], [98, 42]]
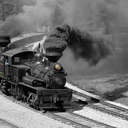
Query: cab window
[[16, 60]]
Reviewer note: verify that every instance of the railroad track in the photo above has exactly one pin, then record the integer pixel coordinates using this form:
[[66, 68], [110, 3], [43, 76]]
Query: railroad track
[[110, 110], [97, 102], [103, 105], [80, 121]]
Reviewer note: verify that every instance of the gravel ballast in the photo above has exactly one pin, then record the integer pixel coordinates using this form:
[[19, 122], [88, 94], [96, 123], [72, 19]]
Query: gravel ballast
[[26, 118]]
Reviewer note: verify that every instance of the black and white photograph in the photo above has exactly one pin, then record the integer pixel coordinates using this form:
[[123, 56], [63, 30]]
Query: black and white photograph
[[63, 63]]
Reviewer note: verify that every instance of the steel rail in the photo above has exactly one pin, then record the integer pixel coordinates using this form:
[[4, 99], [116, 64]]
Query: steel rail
[[80, 120], [110, 110]]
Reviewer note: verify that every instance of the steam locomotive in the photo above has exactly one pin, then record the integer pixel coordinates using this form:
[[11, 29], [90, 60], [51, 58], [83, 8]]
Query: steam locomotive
[[29, 78]]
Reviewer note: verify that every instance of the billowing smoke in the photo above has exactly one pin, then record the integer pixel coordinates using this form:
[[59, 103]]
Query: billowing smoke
[[89, 19], [89, 15], [31, 19], [83, 44]]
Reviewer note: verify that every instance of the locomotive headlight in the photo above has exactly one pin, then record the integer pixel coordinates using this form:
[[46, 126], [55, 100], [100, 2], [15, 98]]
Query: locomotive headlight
[[57, 67]]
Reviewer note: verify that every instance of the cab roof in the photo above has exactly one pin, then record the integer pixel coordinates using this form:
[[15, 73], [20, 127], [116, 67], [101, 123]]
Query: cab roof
[[16, 51]]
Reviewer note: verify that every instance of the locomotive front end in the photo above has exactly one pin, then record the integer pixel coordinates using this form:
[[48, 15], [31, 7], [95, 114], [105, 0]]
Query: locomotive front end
[[52, 74], [56, 78], [49, 81]]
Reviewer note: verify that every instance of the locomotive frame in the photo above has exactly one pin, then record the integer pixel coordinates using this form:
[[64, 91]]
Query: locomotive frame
[[12, 71]]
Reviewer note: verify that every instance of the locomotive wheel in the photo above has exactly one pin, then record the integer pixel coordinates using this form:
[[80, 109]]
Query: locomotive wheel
[[19, 93], [32, 100], [5, 87], [13, 90], [60, 106]]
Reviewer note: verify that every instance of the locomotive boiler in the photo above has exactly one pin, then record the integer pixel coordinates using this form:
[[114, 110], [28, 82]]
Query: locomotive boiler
[[31, 79]]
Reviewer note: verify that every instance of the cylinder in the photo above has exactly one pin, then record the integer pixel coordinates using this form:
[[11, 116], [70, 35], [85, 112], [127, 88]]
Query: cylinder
[[33, 81]]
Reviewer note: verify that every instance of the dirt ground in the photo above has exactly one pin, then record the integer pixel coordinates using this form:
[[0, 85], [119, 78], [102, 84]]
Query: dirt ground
[[4, 124], [112, 87]]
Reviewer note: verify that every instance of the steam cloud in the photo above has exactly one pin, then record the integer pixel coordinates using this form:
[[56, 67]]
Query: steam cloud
[[83, 44], [89, 15], [87, 18]]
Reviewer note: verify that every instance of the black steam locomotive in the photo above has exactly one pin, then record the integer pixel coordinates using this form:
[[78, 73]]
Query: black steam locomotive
[[26, 77]]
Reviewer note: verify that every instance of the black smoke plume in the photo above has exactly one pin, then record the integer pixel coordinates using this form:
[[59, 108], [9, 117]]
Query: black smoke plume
[[83, 44]]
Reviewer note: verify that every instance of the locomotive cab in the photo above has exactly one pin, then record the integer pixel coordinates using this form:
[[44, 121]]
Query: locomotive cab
[[13, 63]]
